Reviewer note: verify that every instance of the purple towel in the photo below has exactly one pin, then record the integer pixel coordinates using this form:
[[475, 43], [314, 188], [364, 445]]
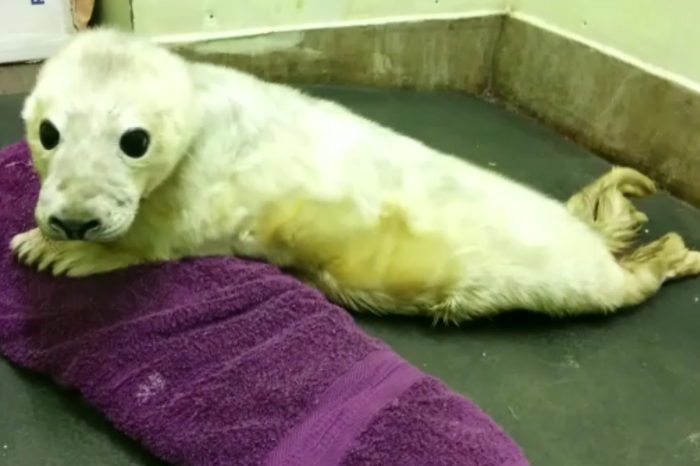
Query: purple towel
[[228, 362]]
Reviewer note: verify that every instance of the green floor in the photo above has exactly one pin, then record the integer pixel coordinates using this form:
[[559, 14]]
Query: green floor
[[620, 391]]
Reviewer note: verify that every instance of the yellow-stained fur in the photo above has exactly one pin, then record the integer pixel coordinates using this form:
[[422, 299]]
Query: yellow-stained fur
[[225, 164], [336, 250]]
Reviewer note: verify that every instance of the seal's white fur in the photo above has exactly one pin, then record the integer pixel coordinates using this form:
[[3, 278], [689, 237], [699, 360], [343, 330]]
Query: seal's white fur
[[375, 219]]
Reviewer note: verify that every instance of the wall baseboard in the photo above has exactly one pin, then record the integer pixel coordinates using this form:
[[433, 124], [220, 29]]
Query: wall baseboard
[[433, 54]]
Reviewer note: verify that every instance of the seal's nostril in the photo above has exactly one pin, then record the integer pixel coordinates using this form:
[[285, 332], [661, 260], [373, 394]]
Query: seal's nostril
[[55, 223], [92, 225]]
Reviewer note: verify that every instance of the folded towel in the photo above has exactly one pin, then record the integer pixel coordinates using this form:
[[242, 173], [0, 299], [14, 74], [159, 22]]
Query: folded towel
[[221, 361]]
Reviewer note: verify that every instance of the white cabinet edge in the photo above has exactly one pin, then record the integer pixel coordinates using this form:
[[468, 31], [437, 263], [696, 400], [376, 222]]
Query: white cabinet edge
[[32, 45]]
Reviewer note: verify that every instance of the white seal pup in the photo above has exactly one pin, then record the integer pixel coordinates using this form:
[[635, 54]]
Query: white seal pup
[[145, 157]]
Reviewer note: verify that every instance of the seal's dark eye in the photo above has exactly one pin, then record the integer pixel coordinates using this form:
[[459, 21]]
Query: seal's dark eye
[[48, 135], [134, 143]]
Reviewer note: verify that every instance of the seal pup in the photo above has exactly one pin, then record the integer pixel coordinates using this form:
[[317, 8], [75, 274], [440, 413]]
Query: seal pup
[[145, 157]]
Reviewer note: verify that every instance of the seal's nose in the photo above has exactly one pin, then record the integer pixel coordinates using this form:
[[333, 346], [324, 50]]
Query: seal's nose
[[72, 228]]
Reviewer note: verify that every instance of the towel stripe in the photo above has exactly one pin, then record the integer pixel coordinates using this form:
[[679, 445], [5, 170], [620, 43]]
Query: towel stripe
[[345, 409]]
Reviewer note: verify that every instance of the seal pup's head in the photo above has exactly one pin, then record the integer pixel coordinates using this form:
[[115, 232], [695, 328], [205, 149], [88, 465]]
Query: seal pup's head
[[109, 119]]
